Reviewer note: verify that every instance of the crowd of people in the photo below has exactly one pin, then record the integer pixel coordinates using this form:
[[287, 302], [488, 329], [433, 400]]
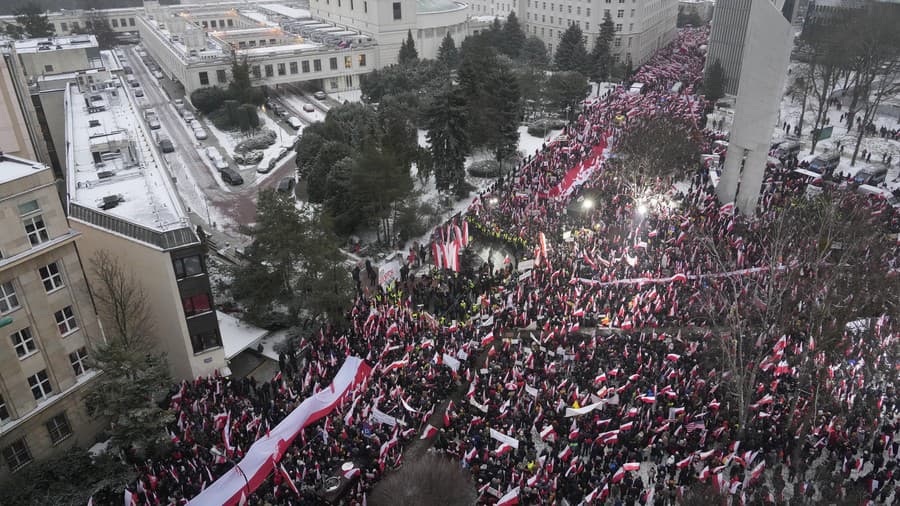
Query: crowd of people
[[585, 374]]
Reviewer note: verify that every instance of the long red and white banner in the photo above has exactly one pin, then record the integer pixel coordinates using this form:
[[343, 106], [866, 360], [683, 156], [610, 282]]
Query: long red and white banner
[[579, 174], [268, 450]]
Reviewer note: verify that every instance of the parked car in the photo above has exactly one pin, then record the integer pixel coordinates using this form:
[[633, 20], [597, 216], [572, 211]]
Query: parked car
[[187, 115], [157, 74], [871, 176], [231, 176], [139, 92], [200, 134], [265, 169], [825, 163], [309, 108], [178, 102], [212, 152], [153, 123], [320, 95], [278, 109], [286, 185], [788, 148], [294, 122], [166, 146], [220, 164]]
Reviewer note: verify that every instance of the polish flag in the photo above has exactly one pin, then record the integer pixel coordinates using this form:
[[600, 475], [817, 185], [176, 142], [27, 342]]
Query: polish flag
[[673, 357], [578, 313], [548, 432], [631, 466], [287, 479], [604, 493], [648, 399], [395, 365], [430, 432], [393, 329], [573, 430], [618, 476], [681, 464], [680, 277], [488, 339], [131, 498], [704, 474], [510, 498], [592, 496], [757, 471], [726, 208], [565, 453], [626, 426], [503, 449], [714, 405], [352, 473]]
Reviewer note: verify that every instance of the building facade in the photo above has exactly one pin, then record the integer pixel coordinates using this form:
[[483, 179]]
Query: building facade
[[20, 134], [47, 320], [765, 53], [121, 199]]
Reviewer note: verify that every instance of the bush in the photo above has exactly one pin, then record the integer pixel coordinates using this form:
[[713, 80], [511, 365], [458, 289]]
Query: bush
[[541, 127], [484, 168], [261, 140], [207, 100]]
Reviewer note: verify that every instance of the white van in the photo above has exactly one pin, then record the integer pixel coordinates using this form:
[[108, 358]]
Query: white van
[[294, 122]]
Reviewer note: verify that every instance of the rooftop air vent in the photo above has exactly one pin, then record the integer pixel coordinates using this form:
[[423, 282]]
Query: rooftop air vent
[[110, 201], [94, 123], [105, 174]]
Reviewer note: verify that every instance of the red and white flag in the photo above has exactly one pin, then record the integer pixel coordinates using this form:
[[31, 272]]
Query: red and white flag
[[503, 449], [631, 466], [429, 432], [287, 478], [510, 498]]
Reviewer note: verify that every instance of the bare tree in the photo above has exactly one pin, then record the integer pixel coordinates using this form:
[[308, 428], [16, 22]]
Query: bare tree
[[121, 301], [431, 479], [824, 266], [825, 46]]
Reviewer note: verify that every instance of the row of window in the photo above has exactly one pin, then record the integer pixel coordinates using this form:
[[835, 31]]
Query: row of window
[[397, 10], [18, 454], [115, 22], [283, 69], [222, 23], [40, 385]]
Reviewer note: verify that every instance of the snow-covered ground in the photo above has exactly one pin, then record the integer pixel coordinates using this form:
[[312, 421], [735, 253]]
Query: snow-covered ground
[[284, 140], [297, 102], [790, 112], [347, 96]]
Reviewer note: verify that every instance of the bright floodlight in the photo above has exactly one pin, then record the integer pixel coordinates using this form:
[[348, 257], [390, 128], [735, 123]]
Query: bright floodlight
[[587, 204], [642, 209], [493, 201]]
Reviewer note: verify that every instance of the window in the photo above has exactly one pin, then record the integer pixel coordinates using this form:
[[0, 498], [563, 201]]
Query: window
[[78, 359], [36, 230], [51, 277], [317, 65], [26, 208], [348, 62], [588, 11], [632, 12], [59, 428], [123, 22], [587, 26], [333, 83], [366, 7], [205, 24], [64, 27], [221, 76], [618, 42], [205, 340], [332, 63], [618, 27], [361, 60], [293, 67], [397, 13], [230, 22], [304, 65], [630, 27], [212, 23], [8, 298], [551, 20], [204, 78], [4, 412], [620, 13], [351, 5], [17, 454], [282, 69], [348, 81], [74, 25], [570, 9], [255, 70], [188, 266], [271, 42], [270, 71], [115, 23], [65, 321], [40, 385], [130, 21], [23, 342], [577, 10], [195, 304]]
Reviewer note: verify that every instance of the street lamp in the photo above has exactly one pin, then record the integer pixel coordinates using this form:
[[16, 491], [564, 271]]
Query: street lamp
[[587, 205], [218, 453]]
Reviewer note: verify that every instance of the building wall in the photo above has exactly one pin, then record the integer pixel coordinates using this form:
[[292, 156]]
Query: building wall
[[14, 138], [372, 17], [153, 269], [58, 61], [36, 310], [726, 39], [642, 26]]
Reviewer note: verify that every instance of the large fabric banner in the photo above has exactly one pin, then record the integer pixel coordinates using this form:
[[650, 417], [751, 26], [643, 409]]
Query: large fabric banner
[[576, 176], [266, 451]]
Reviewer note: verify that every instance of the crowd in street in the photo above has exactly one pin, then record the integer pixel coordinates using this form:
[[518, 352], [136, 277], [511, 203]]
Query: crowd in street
[[582, 375]]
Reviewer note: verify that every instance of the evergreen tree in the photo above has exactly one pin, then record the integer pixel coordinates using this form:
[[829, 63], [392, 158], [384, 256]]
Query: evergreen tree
[[601, 54], [478, 62], [566, 90], [408, 52], [505, 114], [447, 53], [512, 38], [448, 136], [714, 85], [534, 53], [32, 22], [571, 54]]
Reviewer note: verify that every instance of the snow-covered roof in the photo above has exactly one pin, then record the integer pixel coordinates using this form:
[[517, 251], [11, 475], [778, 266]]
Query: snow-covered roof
[[55, 43], [259, 17], [237, 335], [284, 10], [13, 167], [272, 50], [106, 124], [429, 6]]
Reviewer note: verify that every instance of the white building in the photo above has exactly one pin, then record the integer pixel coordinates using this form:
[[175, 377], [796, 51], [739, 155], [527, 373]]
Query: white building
[[642, 26], [121, 198]]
